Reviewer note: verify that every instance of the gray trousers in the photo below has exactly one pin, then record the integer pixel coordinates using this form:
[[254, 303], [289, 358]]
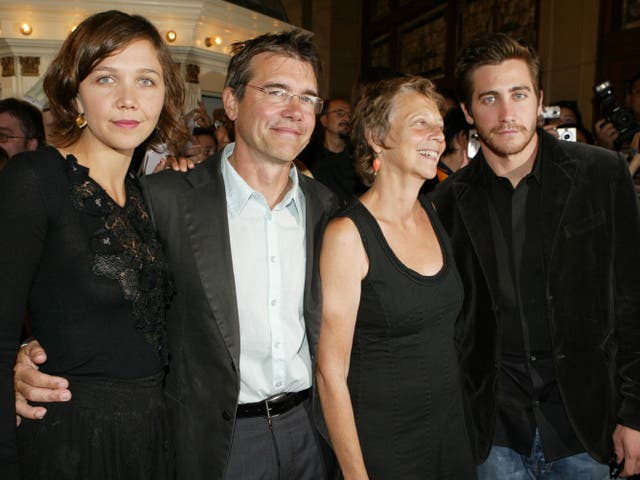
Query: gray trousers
[[289, 448]]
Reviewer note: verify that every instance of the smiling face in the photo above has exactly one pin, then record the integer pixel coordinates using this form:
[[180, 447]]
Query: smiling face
[[415, 139], [122, 98], [504, 109], [266, 130]]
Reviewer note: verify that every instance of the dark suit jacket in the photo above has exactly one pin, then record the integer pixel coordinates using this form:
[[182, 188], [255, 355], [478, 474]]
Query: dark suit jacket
[[591, 238], [190, 213]]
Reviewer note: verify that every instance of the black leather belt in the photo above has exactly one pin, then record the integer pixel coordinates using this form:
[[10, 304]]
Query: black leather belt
[[276, 405]]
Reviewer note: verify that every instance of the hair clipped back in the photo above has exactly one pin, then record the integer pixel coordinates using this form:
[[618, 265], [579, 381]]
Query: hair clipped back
[[94, 39], [493, 49], [293, 43], [372, 113]]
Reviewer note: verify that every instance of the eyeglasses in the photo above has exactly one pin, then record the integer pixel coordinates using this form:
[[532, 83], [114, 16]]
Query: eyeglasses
[[340, 113], [280, 96], [4, 137]]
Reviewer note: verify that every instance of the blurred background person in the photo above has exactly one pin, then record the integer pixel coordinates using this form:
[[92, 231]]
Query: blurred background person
[[329, 155], [606, 133], [331, 135], [21, 127], [387, 364]]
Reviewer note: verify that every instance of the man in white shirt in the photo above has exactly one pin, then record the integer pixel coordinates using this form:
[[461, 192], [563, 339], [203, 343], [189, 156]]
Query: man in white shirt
[[242, 235]]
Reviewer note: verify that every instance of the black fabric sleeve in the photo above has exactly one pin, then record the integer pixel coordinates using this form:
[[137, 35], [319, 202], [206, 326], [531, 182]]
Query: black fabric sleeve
[[626, 294], [23, 225]]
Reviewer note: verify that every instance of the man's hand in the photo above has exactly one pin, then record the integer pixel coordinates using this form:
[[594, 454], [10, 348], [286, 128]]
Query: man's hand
[[626, 442], [33, 385], [551, 129], [179, 164], [605, 133]]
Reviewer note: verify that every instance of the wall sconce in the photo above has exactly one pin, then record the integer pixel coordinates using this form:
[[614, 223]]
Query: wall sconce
[[209, 41], [171, 36], [25, 29]]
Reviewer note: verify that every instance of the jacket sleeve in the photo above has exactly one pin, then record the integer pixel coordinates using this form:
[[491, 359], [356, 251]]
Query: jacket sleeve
[[627, 295], [23, 223]]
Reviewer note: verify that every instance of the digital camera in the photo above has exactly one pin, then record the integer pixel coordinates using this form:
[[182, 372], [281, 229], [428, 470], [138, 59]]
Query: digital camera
[[567, 133], [622, 118], [550, 112]]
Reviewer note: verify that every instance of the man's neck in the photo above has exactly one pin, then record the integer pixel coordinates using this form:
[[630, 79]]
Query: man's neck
[[334, 143], [271, 179], [513, 167]]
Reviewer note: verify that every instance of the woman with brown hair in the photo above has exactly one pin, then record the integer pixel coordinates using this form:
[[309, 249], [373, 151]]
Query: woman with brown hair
[[79, 251], [388, 373]]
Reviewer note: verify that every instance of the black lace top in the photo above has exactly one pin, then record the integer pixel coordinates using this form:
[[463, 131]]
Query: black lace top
[[90, 273]]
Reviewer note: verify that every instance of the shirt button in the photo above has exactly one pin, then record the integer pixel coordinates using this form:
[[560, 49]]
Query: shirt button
[[533, 358], [273, 302], [278, 384], [273, 259], [536, 404]]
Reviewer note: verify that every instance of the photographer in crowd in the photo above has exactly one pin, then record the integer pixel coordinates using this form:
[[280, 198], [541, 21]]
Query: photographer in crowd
[[615, 131]]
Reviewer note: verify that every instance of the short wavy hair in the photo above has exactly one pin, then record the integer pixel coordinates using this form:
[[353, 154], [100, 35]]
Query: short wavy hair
[[292, 43], [372, 115], [94, 39]]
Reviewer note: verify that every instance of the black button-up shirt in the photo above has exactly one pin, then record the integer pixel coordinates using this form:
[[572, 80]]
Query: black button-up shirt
[[528, 394]]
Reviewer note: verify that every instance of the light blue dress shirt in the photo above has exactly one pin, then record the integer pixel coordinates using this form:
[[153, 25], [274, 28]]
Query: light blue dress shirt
[[269, 264]]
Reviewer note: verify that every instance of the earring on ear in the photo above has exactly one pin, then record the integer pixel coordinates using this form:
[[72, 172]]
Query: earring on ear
[[81, 122], [376, 163]]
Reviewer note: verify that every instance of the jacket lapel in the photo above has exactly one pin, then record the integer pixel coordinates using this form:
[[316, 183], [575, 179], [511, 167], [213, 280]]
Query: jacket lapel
[[558, 175], [472, 203], [312, 300], [205, 212]]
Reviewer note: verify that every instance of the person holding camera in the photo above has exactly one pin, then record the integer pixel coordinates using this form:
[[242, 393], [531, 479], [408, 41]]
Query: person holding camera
[[617, 128]]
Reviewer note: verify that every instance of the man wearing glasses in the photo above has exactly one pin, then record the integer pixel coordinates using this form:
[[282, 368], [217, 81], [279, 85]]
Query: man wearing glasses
[[242, 233], [329, 157], [21, 127]]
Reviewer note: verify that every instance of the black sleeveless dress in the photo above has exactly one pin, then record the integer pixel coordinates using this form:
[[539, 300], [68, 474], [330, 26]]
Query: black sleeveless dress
[[404, 378]]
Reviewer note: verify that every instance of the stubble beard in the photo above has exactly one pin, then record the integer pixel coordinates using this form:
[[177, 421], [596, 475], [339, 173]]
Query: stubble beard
[[505, 147]]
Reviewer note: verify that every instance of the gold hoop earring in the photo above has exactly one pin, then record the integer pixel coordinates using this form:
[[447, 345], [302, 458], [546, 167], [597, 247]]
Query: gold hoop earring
[[81, 122]]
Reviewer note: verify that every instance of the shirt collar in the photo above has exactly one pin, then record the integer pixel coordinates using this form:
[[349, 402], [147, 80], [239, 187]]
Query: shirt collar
[[238, 192], [536, 170]]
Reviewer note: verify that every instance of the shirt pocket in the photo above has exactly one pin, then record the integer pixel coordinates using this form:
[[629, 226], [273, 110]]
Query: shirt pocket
[[584, 225]]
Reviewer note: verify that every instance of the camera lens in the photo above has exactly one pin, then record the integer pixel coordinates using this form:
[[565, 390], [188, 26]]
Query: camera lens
[[601, 87]]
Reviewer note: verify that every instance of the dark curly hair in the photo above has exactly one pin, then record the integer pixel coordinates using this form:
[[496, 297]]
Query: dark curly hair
[[96, 38], [372, 115]]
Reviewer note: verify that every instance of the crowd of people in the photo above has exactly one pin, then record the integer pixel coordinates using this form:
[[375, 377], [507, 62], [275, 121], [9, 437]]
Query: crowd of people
[[396, 286]]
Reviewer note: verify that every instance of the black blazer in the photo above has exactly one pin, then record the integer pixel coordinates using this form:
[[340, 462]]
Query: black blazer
[[591, 239], [190, 214]]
